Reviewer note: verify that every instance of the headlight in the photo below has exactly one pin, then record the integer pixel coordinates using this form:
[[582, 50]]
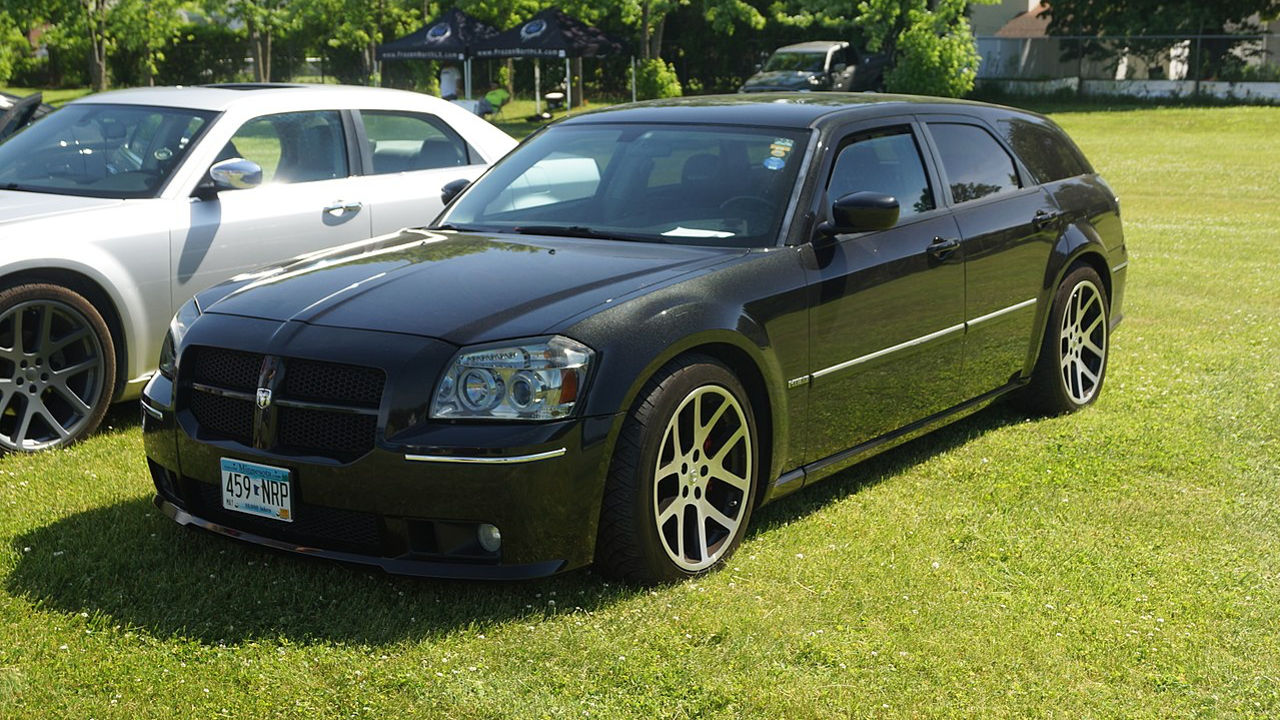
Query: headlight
[[539, 379], [187, 314]]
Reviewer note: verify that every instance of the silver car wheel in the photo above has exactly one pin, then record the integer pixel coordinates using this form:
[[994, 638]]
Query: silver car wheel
[[702, 478], [1083, 342], [51, 375]]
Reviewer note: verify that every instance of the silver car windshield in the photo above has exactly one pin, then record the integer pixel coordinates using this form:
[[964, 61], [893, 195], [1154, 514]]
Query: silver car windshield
[[685, 184], [110, 151]]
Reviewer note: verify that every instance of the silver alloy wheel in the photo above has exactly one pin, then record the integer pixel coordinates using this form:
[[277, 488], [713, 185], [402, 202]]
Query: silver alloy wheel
[[51, 373], [701, 478], [1082, 342]]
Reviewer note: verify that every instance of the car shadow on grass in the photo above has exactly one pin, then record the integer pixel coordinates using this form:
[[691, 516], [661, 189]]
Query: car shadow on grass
[[128, 565]]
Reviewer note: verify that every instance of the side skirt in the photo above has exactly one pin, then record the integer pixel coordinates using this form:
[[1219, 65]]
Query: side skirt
[[805, 475]]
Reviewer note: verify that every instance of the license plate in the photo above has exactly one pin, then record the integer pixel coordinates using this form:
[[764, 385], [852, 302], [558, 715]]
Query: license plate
[[256, 489]]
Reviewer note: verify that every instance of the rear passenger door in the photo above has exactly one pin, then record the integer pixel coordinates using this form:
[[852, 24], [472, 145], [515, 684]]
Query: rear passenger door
[[407, 158], [1008, 225]]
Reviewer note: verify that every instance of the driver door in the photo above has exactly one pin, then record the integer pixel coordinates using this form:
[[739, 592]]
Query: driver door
[[886, 313], [307, 201]]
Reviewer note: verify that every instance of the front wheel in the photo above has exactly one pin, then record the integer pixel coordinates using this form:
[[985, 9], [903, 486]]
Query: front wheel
[[57, 367], [683, 478], [1073, 357]]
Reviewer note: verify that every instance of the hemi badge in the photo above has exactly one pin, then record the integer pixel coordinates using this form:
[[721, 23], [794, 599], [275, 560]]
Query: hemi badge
[[797, 382]]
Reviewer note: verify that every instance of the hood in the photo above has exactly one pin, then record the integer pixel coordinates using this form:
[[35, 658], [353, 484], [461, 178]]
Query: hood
[[458, 287], [779, 80], [16, 206]]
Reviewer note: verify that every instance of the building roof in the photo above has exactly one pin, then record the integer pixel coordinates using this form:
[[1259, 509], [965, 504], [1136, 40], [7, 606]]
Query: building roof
[[1032, 23]]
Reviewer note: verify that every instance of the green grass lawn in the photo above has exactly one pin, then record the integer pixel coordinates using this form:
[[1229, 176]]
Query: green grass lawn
[[1120, 562]]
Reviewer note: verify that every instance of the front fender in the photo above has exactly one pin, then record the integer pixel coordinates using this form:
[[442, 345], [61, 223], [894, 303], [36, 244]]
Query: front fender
[[751, 314], [139, 306]]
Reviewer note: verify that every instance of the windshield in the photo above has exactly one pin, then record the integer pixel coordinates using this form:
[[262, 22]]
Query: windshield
[[688, 184], [796, 61], [110, 151]]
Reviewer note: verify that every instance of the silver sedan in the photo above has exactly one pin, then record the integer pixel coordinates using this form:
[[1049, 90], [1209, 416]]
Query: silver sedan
[[117, 208]]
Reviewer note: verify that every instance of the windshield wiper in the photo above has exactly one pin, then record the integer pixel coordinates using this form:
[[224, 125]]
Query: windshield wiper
[[582, 231], [451, 226]]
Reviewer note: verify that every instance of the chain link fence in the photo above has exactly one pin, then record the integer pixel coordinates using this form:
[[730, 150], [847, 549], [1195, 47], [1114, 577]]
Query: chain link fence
[[1242, 66]]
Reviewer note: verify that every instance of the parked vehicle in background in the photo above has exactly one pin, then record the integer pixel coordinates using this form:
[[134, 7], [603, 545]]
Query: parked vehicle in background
[[119, 207], [17, 112], [818, 65], [635, 328]]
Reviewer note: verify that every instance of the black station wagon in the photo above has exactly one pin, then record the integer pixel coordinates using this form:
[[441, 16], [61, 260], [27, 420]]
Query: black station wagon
[[640, 325]]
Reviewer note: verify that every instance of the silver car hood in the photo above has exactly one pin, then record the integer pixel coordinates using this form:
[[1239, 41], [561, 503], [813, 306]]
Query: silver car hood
[[16, 206]]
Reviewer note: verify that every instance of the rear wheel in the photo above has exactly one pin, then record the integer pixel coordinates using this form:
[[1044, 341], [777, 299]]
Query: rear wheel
[[1073, 358], [683, 478], [57, 367]]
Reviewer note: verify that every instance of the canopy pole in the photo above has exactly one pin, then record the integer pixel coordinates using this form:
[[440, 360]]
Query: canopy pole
[[568, 88], [466, 75], [633, 78], [537, 86]]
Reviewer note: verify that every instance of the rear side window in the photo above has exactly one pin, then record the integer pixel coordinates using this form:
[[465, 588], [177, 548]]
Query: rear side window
[[976, 165], [1045, 150], [399, 142]]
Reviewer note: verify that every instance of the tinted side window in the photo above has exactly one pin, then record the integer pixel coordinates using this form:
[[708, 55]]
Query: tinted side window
[[1046, 152], [398, 142], [292, 147], [888, 162], [976, 165]]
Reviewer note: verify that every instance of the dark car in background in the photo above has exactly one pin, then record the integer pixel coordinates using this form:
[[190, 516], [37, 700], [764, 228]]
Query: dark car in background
[[639, 326], [17, 112], [819, 65]]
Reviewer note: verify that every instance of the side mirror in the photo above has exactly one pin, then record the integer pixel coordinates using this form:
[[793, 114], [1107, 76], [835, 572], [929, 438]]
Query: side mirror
[[862, 211], [453, 189], [233, 174]]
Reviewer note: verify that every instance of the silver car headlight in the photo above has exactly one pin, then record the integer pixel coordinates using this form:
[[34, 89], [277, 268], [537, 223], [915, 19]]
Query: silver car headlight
[[178, 326], [536, 379]]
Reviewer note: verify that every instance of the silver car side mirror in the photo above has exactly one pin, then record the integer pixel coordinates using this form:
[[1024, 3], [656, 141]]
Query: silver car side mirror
[[236, 174]]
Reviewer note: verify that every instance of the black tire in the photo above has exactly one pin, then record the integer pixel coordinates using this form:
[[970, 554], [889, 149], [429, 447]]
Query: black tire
[[57, 367], [1073, 356], [662, 487]]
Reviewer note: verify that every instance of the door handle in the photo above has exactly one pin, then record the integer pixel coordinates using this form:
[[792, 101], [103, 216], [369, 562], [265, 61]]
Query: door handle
[[339, 207], [941, 248], [1044, 219]]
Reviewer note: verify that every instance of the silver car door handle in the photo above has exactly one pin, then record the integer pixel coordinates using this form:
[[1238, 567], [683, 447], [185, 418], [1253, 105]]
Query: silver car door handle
[[341, 208]]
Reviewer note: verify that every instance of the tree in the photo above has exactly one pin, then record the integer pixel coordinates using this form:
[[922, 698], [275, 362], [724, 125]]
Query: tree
[[13, 46], [264, 20], [145, 27], [930, 42], [1132, 18]]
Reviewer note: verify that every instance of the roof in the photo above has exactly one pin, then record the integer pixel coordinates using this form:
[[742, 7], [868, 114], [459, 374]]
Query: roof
[[1032, 23], [267, 97], [793, 110], [815, 46]]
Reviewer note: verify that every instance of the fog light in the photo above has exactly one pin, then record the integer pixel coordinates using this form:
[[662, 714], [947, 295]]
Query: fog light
[[489, 537]]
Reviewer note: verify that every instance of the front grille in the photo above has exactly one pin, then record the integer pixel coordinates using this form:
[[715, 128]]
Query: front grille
[[324, 432], [343, 431], [228, 369], [330, 528], [333, 383], [228, 418]]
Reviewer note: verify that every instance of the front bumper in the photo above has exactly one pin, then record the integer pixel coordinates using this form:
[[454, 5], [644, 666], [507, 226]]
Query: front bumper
[[412, 504]]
